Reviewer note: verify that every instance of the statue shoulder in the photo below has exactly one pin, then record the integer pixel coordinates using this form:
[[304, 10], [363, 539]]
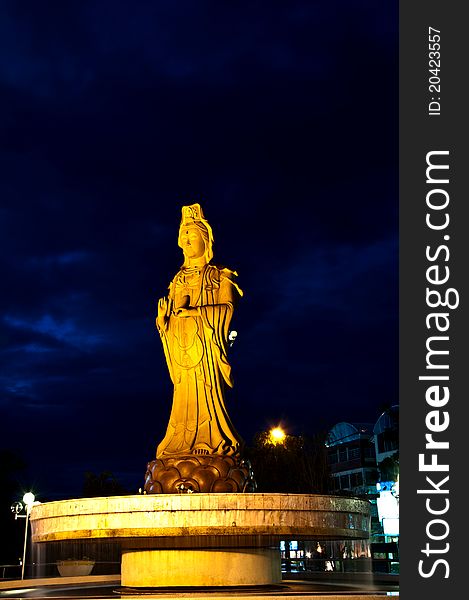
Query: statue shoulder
[[217, 275]]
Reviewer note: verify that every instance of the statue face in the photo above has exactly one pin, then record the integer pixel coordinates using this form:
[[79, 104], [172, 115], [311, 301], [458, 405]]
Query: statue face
[[191, 242]]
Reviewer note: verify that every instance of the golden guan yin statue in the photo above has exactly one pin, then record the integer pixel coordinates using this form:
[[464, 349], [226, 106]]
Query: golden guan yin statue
[[201, 451]]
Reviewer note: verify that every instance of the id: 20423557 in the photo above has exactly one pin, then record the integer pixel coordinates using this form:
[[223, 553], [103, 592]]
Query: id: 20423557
[[434, 67]]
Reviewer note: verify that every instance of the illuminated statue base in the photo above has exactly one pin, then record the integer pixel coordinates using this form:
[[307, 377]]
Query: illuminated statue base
[[200, 568], [199, 473], [201, 539]]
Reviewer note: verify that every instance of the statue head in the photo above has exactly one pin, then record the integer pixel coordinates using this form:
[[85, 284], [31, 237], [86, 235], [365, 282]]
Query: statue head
[[195, 234]]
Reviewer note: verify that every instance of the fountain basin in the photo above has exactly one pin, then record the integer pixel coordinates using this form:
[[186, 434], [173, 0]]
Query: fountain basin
[[201, 539]]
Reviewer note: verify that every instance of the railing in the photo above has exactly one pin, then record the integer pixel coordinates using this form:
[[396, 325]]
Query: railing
[[10, 571], [340, 565]]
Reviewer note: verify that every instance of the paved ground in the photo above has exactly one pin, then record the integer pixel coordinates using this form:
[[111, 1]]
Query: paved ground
[[350, 587]]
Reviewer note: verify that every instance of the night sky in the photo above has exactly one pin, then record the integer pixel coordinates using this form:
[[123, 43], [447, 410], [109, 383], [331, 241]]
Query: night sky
[[280, 118]]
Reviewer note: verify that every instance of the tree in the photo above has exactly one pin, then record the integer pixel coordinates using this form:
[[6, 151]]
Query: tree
[[389, 467], [297, 465]]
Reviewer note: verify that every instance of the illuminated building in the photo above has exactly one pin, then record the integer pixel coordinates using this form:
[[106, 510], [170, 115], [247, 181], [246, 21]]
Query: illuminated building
[[363, 460], [352, 458]]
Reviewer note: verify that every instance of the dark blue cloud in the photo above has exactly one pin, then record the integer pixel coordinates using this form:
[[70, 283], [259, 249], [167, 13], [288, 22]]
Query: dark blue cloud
[[282, 122]]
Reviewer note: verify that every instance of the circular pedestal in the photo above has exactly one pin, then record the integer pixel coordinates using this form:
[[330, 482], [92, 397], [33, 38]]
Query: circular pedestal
[[201, 539], [200, 568]]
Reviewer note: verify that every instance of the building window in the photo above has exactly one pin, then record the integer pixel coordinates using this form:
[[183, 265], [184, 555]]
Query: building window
[[388, 441], [344, 482]]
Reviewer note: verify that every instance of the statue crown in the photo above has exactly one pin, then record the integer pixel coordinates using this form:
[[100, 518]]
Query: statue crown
[[192, 213]]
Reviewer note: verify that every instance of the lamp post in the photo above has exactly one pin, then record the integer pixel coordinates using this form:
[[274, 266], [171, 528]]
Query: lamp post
[[29, 501]]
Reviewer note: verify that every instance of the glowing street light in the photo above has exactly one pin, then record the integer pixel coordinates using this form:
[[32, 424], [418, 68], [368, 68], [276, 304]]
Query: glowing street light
[[277, 436], [29, 500]]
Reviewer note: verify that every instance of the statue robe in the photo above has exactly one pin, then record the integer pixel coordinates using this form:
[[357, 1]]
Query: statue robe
[[195, 350]]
